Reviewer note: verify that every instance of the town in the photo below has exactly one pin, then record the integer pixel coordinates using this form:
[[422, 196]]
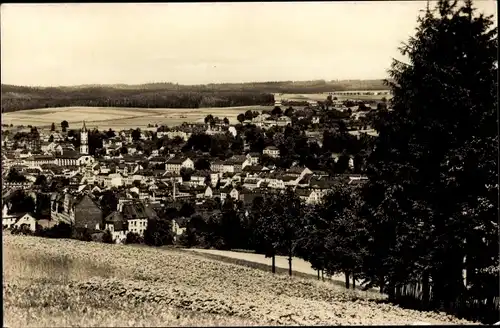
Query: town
[[250, 164], [120, 180]]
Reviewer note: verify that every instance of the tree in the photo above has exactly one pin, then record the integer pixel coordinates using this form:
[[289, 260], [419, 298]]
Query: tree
[[249, 115], [382, 106], [42, 206], [311, 245], [158, 233], [15, 177], [136, 134], [186, 174], [277, 227], [230, 225], [108, 202], [198, 141], [133, 238], [41, 180], [53, 127], [107, 238], [186, 210], [82, 234], [21, 203], [110, 133], [346, 237], [240, 118], [60, 230], [209, 119], [202, 164], [277, 111], [64, 125], [430, 168], [237, 145]]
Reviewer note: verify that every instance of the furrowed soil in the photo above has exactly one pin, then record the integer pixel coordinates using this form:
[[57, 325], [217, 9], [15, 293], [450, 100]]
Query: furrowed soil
[[49, 282]]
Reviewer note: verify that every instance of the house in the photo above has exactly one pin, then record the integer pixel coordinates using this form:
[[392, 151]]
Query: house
[[309, 196], [113, 180], [217, 166], [137, 215], [253, 158], [156, 160], [179, 226], [253, 169], [271, 151], [173, 134], [237, 163], [251, 183], [19, 220], [24, 153], [234, 193], [233, 131], [224, 192], [117, 225], [87, 214], [176, 163], [260, 120], [283, 121], [60, 209], [248, 198]]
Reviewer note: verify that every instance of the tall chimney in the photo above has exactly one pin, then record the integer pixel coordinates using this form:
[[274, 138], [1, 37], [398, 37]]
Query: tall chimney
[[173, 180]]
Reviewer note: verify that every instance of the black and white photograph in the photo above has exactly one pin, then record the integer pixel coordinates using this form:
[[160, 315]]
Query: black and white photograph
[[205, 164]]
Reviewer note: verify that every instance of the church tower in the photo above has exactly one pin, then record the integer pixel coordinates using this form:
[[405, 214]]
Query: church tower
[[84, 139]]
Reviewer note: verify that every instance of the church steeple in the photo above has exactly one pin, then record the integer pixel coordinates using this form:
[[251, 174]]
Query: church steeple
[[84, 137]]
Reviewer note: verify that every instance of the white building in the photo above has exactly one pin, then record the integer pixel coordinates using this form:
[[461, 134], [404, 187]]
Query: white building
[[271, 151], [175, 164], [137, 226], [10, 221]]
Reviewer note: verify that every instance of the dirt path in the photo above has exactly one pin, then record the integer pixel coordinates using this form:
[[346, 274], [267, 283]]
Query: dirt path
[[298, 265]]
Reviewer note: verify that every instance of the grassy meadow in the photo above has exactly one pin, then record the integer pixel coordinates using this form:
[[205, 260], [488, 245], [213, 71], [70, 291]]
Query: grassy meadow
[[119, 118], [49, 282]]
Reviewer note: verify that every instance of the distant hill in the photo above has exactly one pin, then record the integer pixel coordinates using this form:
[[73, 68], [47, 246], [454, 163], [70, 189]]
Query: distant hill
[[169, 95]]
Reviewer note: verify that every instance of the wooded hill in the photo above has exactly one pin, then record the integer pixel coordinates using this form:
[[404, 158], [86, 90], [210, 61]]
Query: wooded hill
[[169, 95]]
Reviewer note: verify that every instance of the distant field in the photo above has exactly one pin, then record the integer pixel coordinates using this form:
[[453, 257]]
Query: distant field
[[120, 118], [322, 96]]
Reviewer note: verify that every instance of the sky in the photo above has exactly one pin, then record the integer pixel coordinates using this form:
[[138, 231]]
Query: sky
[[198, 43]]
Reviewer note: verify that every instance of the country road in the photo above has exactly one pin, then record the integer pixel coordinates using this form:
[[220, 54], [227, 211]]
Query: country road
[[298, 265]]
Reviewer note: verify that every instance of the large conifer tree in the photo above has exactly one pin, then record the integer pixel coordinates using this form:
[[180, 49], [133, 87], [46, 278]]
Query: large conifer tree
[[432, 197]]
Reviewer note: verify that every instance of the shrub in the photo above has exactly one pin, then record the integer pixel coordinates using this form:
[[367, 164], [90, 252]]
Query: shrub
[[82, 234], [60, 230], [158, 233], [133, 238], [107, 238]]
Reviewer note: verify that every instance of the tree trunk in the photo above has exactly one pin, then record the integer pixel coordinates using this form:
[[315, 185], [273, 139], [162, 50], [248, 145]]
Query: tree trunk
[[353, 281], [322, 275], [425, 289], [382, 284], [391, 293], [346, 275], [318, 274], [290, 265], [274, 263]]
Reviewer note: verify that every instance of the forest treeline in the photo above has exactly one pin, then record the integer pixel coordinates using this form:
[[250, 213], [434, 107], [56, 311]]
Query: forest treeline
[[20, 98], [169, 95]]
